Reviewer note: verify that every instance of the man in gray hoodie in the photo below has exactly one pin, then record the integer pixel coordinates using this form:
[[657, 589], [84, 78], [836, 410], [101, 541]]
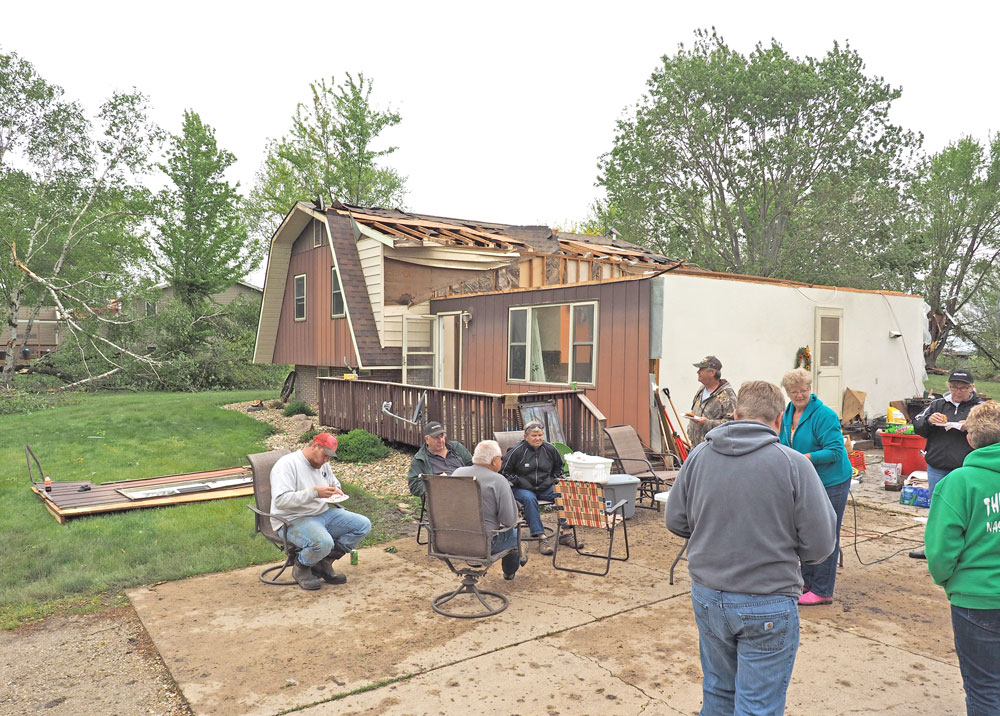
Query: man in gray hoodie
[[751, 508]]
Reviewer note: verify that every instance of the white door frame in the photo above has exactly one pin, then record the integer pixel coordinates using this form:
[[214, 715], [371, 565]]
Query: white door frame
[[440, 344], [432, 328], [828, 379]]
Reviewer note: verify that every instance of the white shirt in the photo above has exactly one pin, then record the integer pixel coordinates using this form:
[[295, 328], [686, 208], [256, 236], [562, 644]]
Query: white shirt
[[293, 488]]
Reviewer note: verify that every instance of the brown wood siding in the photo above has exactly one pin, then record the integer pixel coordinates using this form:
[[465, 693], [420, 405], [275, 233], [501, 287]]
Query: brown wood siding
[[319, 340], [621, 389]]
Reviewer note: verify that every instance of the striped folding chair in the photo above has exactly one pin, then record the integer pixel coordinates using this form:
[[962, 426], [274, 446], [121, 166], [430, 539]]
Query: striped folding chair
[[582, 504]]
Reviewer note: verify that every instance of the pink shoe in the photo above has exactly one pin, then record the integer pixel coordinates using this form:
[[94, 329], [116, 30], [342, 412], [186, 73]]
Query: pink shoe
[[811, 600]]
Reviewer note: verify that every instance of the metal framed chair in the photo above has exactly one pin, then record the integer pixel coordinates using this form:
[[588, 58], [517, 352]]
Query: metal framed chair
[[582, 504], [456, 533], [507, 439], [261, 464], [633, 459]]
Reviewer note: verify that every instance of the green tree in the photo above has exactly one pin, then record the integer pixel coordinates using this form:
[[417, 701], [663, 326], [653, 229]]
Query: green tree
[[766, 164], [201, 243], [329, 152], [71, 206], [956, 226]]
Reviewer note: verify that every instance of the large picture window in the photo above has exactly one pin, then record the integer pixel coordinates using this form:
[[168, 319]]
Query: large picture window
[[553, 344], [336, 294], [300, 296]]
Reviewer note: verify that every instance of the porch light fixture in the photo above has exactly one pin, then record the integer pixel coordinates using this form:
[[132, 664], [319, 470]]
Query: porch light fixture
[[466, 319]]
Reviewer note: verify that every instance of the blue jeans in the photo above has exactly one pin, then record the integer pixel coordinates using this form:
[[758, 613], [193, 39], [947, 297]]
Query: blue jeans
[[934, 476], [747, 644], [529, 505], [820, 578], [977, 643], [512, 560], [316, 534]]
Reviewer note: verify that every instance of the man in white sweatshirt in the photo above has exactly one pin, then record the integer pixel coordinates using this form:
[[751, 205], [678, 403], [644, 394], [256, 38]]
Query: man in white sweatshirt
[[305, 492]]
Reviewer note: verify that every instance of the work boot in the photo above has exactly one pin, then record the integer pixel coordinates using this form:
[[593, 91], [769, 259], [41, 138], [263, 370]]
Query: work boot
[[337, 552], [304, 576], [324, 570], [545, 545], [918, 554], [567, 539]]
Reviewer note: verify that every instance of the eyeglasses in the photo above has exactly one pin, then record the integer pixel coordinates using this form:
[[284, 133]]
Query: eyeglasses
[[799, 392]]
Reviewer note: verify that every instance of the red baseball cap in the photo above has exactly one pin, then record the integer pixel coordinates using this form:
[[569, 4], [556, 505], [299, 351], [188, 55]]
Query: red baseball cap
[[326, 441]]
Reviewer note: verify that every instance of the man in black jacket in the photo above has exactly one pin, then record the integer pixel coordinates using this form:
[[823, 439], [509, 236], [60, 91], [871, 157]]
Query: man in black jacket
[[942, 423], [532, 468]]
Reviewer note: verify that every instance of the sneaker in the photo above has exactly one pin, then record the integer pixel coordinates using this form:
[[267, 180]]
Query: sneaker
[[568, 540], [304, 576], [324, 570], [508, 577], [918, 554], [810, 599], [545, 545]]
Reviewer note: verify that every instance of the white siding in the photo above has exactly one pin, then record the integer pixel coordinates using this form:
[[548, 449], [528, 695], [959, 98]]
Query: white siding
[[393, 335], [755, 330], [370, 254]]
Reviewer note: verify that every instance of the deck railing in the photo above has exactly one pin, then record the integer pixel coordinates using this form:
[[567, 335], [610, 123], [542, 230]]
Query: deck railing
[[466, 416]]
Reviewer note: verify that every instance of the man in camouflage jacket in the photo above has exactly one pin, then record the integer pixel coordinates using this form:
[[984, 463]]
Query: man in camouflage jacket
[[713, 405]]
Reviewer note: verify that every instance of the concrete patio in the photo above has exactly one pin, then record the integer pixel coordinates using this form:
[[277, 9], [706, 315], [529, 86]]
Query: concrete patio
[[568, 643]]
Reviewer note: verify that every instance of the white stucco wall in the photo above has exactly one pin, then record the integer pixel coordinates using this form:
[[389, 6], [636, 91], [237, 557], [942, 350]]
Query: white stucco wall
[[756, 328]]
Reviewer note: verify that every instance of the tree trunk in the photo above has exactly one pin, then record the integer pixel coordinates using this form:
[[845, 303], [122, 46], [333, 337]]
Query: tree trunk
[[940, 328]]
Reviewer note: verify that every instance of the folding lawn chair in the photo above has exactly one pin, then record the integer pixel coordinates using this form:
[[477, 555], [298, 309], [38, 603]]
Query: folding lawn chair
[[582, 504]]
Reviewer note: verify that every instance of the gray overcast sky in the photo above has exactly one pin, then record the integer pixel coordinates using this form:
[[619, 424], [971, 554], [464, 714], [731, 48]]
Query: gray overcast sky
[[506, 106]]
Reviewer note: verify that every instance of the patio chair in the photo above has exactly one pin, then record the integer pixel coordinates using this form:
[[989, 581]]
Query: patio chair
[[456, 534], [508, 439], [261, 464], [633, 459], [581, 504]]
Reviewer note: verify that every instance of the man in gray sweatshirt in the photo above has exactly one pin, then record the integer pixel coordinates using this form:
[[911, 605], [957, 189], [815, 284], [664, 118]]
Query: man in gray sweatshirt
[[751, 508]]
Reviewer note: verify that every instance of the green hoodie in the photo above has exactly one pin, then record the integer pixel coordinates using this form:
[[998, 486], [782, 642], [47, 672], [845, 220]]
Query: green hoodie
[[963, 531]]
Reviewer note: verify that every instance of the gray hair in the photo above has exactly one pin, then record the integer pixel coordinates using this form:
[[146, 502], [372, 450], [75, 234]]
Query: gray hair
[[759, 400], [533, 426], [796, 376], [486, 452], [983, 424]]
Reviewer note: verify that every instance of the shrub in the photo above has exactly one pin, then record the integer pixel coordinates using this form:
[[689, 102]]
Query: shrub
[[307, 436], [276, 405], [297, 407], [20, 401], [360, 446]]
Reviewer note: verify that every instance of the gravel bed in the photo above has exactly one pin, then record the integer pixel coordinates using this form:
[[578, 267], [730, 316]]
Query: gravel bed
[[383, 477]]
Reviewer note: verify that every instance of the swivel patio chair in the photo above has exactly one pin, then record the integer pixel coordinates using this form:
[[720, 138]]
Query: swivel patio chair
[[633, 459], [456, 535], [582, 504], [261, 464]]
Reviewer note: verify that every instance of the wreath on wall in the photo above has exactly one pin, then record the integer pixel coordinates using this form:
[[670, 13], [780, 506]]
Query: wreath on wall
[[803, 358]]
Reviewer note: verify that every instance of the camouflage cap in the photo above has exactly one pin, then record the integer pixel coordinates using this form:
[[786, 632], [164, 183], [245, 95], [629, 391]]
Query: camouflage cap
[[709, 362]]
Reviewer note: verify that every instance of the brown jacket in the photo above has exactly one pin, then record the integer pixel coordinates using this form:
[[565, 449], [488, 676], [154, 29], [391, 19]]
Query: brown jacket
[[717, 408]]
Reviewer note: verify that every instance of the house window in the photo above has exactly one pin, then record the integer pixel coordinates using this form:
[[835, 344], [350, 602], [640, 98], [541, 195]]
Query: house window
[[150, 308], [336, 294], [317, 234], [300, 297], [553, 344]]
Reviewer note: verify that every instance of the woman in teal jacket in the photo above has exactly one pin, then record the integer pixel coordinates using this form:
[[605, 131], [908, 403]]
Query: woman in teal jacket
[[814, 430], [962, 541]]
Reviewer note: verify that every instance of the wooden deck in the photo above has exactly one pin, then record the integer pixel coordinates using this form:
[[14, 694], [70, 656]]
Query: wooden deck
[[66, 501]]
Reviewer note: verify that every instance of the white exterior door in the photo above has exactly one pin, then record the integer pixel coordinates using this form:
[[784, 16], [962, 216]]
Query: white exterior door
[[449, 354], [828, 358], [419, 350]]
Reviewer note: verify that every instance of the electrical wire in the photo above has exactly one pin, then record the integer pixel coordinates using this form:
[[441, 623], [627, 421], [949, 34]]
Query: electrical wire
[[854, 505]]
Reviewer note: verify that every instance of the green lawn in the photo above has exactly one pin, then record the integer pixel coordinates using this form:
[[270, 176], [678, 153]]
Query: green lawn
[[86, 562]]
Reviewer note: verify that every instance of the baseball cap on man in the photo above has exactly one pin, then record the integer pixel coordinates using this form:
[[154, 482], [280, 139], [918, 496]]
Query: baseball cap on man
[[326, 441], [433, 429], [709, 362], [961, 376]]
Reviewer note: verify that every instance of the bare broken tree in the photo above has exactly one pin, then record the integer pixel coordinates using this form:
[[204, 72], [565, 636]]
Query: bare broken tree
[[72, 211]]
